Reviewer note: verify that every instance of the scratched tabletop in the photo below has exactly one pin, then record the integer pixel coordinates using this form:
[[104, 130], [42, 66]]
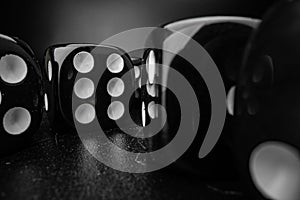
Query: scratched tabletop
[[57, 166]]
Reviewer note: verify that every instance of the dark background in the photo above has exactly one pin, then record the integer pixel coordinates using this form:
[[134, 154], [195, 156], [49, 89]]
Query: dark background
[[44, 23]]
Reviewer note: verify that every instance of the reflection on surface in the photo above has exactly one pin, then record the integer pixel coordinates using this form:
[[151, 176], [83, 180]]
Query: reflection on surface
[[60, 167]]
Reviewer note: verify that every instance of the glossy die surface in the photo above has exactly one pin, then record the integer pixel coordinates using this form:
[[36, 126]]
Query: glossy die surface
[[21, 96], [89, 76]]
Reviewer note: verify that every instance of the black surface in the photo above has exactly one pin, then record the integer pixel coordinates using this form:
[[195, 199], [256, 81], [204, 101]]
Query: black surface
[[57, 166]]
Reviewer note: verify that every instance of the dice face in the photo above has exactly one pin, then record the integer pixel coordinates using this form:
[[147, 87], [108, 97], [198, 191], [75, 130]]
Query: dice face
[[267, 142], [21, 99], [224, 39], [91, 76]]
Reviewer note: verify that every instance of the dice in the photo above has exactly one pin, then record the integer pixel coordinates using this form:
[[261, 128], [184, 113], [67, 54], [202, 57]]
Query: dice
[[149, 94], [91, 76], [267, 141], [21, 95], [224, 39]]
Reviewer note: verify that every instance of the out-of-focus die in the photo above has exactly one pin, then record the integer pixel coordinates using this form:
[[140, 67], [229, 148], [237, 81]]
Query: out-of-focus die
[[91, 76], [21, 96], [266, 139], [224, 39]]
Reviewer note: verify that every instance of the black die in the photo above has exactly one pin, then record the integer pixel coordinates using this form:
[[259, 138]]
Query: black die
[[21, 96], [224, 40], [84, 83]]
